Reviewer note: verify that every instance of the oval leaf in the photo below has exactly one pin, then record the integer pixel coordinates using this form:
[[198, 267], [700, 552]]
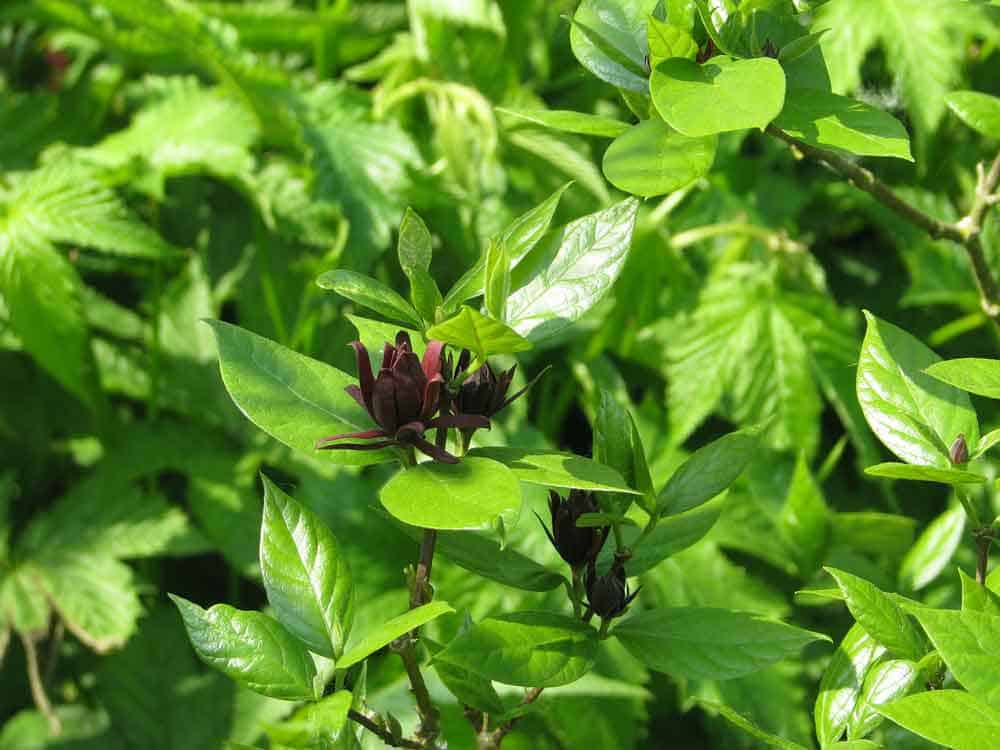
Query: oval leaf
[[652, 159], [306, 578], [483, 336], [386, 633], [531, 649], [370, 293], [293, 398], [707, 472], [569, 121], [972, 374], [979, 111], [885, 682], [251, 648], [468, 495], [608, 37], [894, 470], [952, 718], [840, 686], [721, 95], [556, 469], [914, 415], [710, 644]]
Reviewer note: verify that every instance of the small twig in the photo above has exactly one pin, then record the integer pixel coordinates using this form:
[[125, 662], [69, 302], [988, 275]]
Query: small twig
[[983, 541], [965, 232], [55, 644], [494, 738], [422, 576], [381, 732], [37, 686], [429, 728]]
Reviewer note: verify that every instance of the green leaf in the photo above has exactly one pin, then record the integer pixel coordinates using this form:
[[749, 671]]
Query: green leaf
[[721, 95], [710, 644], [831, 121], [707, 472], [414, 249], [884, 682], [914, 415], [804, 521], [590, 257], [569, 121], [293, 398], [306, 577], [472, 494], [532, 649], [519, 237], [497, 288], [873, 533], [842, 681], [251, 648], [555, 469], [483, 336], [979, 111], [739, 720], [978, 598], [608, 37], [933, 550], [667, 40], [801, 46], [375, 333], [969, 643], [315, 726], [370, 293], [986, 442], [651, 158], [42, 292], [22, 602], [895, 470], [617, 444], [878, 614], [952, 718], [389, 631], [972, 374], [468, 687]]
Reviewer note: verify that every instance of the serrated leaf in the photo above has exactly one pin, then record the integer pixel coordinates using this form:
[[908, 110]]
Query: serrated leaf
[[894, 470], [295, 399], [952, 718], [472, 494], [305, 574], [590, 257], [880, 616], [721, 95], [979, 111], [707, 643], [483, 336], [651, 158], [533, 649], [387, 632], [914, 415], [843, 678], [251, 648], [831, 121], [370, 293]]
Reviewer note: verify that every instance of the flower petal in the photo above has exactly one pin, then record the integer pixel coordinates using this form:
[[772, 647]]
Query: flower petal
[[438, 454], [432, 359], [364, 374]]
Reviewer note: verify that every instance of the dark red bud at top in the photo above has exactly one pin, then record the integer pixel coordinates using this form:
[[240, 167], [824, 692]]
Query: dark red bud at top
[[576, 545], [770, 50], [959, 453], [608, 595]]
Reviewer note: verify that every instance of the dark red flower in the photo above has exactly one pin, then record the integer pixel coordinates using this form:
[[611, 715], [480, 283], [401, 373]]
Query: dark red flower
[[608, 595], [576, 545], [403, 400], [484, 392]]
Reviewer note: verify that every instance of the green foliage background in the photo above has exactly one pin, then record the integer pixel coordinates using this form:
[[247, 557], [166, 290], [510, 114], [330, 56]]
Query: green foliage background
[[165, 161]]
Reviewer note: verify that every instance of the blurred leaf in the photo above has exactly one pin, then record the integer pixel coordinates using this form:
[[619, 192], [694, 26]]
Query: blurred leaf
[[570, 121], [651, 158], [709, 471], [804, 520], [924, 474], [749, 727], [979, 111]]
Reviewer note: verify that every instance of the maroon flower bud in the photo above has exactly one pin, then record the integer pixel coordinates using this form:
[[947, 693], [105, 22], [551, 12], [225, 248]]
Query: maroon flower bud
[[959, 452], [402, 400], [576, 545], [608, 595], [769, 49]]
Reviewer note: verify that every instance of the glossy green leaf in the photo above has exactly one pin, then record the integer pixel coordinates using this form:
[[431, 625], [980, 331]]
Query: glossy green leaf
[[483, 336], [519, 237], [532, 649], [651, 158], [315, 726], [469, 688], [878, 614], [709, 644], [389, 631], [667, 40], [842, 681], [986, 442], [804, 520], [895, 470], [615, 440], [952, 718], [707, 472], [556, 469], [979, 111], [885, 682], [251, 648], [933, 550], [795, 49], [414, 250], [293, 398], [497, 288], [969, 643], [828, 120], [472, 494], [978, 598], [370, 293], [306, 577], [608, 37], [589, 259], [721, 95], [972, 374], [569, 121], [914, 415]]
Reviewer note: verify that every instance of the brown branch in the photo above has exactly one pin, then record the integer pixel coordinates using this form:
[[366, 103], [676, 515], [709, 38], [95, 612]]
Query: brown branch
[[381, 732], [423, 573], [429, 716], [38, 687], [965, 232], [497, 735]]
